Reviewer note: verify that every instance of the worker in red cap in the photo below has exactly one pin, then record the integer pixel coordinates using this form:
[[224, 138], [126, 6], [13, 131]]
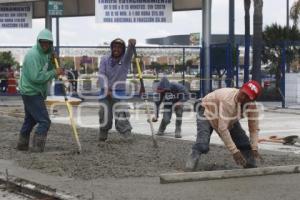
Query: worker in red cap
[[221, 111]]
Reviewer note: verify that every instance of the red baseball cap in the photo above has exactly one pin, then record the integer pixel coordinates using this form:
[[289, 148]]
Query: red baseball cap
[[252, 89]]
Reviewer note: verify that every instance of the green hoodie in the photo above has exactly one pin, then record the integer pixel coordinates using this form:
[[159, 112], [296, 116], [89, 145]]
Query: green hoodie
[[37, 68]]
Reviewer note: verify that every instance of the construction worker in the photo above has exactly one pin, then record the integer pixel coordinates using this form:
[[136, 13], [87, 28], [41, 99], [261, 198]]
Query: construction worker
[[173, 95], [221, 111], [37, 71], [112, 79]]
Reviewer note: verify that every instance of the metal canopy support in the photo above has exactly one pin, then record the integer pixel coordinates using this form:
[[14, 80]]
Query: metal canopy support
[[206, 29], [48, 18], [231, 22], [57, 37]]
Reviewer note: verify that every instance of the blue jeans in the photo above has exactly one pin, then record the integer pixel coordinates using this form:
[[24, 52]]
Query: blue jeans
[[35, 113], [204, 131]]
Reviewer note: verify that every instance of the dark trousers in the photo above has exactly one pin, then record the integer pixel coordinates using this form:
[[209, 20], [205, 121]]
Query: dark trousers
[[238, 135], [110, 107], [35, 113], [167, 115]]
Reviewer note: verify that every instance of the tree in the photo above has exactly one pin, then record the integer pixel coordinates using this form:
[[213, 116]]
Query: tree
[[274, 36], [68, 63], [7, 60], [257, 40], [156, 67], [295, 12], [247, 4]]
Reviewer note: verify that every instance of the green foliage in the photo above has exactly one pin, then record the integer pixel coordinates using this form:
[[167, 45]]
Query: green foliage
[[68, 63], [7, 60], [274, 37], [295, 12], [180, 68], [155, 66]]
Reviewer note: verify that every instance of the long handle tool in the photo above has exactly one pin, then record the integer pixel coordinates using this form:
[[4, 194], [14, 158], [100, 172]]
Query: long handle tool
[[142, 91], [69, 108]]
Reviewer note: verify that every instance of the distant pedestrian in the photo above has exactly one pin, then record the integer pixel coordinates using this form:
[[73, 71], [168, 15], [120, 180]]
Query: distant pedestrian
[[173, 95], [38, 70], [221, 111], [113, 72], [3, 79]]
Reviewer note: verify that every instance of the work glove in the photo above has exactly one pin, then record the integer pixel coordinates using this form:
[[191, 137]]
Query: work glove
[[239, 159]]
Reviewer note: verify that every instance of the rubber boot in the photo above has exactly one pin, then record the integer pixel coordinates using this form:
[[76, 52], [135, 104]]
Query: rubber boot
[[178, 133], [192, 161], [103, 135], [38, 143], [23, 143], [161, 129], [126, 134], [251, 162]]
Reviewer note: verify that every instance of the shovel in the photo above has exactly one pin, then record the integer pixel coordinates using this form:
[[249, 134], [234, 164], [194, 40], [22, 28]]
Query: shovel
[[288, 140], [69, 108], [142, 91]]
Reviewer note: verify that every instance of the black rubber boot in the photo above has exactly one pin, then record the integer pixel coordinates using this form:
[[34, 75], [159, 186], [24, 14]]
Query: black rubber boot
[[23, 143], [251, 162], [38, 143], [161, 129], [103, 135]]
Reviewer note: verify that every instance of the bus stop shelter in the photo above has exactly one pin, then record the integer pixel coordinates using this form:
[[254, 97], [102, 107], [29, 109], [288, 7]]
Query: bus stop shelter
[[77, 8]]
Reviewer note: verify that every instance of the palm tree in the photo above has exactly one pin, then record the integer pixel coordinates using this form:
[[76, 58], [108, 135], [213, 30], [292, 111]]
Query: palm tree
[[295, 12], [272, 54], [247, 4], [257, 40]]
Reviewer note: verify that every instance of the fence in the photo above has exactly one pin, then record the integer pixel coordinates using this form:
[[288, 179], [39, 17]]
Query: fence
[[179, 63]]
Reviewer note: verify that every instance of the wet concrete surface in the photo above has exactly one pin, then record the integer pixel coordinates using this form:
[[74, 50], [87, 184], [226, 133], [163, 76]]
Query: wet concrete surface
[[126, 168]]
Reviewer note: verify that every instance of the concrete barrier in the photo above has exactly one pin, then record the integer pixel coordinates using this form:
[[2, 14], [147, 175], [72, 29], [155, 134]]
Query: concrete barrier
[[223, 174]]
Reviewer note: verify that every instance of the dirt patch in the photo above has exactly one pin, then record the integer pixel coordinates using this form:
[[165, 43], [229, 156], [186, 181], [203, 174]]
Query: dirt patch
[[117, 157]]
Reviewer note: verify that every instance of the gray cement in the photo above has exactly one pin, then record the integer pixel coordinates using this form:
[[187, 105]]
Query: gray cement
[[129, 169]]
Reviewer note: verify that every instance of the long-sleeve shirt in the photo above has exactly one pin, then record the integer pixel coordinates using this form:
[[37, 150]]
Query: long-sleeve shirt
[[113, 73], [177, 93], [222, 110], [37, 69]]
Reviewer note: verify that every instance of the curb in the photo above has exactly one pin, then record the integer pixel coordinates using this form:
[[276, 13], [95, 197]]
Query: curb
[[33, 189], [224, 174]]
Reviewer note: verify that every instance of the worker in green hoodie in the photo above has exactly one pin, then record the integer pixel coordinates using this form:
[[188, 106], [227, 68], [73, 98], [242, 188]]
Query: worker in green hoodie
[[38, 69]]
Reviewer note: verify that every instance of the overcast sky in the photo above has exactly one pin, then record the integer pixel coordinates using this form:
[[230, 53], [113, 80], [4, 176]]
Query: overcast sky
[[84, 30]]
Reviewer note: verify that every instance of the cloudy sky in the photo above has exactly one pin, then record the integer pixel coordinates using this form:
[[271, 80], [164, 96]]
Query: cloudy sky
[[84, 30]]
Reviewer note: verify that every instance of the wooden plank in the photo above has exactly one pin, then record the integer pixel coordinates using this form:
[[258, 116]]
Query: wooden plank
[[224, 174]]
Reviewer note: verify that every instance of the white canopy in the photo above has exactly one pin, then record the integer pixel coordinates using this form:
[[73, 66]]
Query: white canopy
[[73, 8]]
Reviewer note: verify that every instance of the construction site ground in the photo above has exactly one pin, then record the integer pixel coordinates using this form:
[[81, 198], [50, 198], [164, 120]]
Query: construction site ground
[[129, 168]]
